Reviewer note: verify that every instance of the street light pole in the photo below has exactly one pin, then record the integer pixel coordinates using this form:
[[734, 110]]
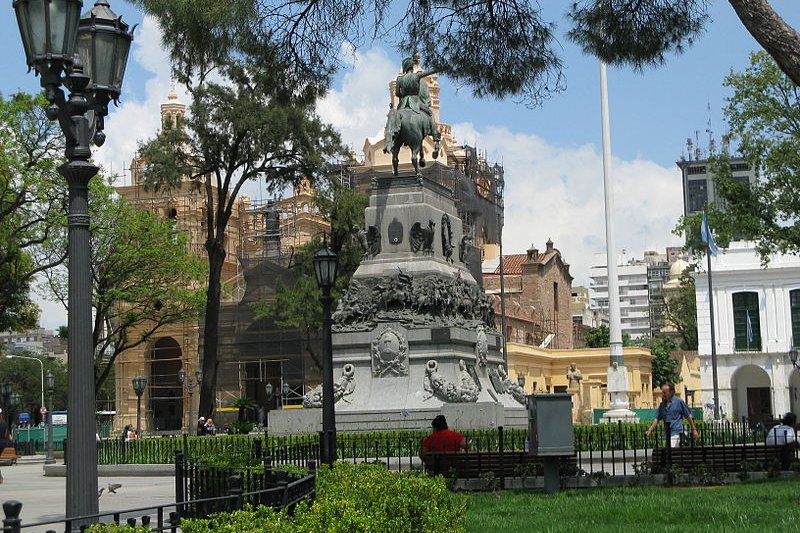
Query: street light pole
[[40, 364], [139, 385], [91, 52], [49, 458], [325, 264]]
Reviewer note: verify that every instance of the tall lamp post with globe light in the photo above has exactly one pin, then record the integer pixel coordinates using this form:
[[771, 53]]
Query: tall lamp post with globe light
[[51, 385], [325, 264], [86, 54]]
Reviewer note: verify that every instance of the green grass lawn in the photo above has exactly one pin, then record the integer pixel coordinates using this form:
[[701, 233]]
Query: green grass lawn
[[762, 506]]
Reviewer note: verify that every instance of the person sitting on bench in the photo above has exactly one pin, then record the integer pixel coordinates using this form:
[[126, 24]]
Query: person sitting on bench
[[442, 439], [783, 433]]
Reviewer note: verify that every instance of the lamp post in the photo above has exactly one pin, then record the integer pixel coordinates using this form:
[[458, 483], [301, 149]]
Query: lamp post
[[6, 390], [190, 385], [87, 55], [139, 385], [325, 264], [41, 365], [51, 384]]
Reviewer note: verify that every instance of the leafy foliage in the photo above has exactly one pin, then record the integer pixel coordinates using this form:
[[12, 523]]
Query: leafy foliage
[[352, 499], [299, 306], [251, 120], [143, 278], [25, 377], [764, 118], [680, 310], [665, 366], [599, 337], [32, 196], [499, 48]]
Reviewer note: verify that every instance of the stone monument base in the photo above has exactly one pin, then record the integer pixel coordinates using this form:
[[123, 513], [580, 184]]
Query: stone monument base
[[459, 416]]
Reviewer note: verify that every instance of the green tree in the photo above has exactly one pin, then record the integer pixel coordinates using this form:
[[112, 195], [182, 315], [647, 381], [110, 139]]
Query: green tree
[[251, 120], [26, 379], [764, 118], [298, 305], [498, 48], [143, 277], [680, 310], [599, 337], [665, 366], [32, 197]]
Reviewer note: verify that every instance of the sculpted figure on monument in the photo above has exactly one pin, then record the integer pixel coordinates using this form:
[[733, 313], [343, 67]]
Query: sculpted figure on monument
[[412, 121], [574, 376], [370, 241], [421, 239], [437, 385], [447, 238], [481, 346], [513, 388], [344, 387], [464, 248]]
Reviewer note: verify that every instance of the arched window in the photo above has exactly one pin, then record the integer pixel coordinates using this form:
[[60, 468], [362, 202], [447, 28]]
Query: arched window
[[746, 321]]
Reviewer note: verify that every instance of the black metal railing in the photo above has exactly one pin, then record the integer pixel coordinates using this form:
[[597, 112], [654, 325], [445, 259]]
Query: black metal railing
[[286, 492]]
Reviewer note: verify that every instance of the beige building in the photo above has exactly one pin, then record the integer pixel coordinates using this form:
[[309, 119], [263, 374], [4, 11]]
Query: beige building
[[255, 229], [545, 371]]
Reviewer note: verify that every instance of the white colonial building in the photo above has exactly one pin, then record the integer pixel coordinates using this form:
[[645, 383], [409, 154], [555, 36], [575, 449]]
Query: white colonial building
[[757, 321]]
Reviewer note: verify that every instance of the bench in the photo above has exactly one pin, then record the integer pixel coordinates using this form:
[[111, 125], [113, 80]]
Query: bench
[[726, 457], [470, 465], [9, 456]]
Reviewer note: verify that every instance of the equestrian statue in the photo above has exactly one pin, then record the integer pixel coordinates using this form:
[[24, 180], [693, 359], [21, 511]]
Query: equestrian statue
[[412, 121]]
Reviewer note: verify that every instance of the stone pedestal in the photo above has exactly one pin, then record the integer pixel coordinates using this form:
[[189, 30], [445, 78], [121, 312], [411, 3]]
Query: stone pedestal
[[618, 388], [414, 335]]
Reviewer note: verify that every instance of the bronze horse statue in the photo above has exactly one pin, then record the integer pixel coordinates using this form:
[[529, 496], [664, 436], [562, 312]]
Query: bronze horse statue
[[412, 121], [406, 127]]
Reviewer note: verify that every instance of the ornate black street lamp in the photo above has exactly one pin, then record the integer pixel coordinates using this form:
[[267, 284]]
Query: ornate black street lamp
[[87, 55], [325, 264], [51, 385], [139, 385], [190, 385]]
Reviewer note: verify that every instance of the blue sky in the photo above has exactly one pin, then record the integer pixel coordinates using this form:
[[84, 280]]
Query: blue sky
[[552, 153]]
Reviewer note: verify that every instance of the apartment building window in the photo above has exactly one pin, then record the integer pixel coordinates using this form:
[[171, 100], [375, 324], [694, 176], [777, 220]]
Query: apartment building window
[[697, 195], [794, 303], [746, 321]]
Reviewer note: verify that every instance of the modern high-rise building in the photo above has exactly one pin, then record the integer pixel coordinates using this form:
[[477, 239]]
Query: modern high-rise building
[[699, 188]]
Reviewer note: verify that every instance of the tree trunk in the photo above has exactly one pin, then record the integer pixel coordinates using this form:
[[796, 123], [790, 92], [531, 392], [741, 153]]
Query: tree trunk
[[216, 258], [780, 40]]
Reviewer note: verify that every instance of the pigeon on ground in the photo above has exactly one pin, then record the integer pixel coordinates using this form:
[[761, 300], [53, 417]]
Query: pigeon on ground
[[100, 491], [112, 487]]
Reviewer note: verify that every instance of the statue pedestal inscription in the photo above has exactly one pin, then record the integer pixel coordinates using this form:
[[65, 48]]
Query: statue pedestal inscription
[[414, 334]]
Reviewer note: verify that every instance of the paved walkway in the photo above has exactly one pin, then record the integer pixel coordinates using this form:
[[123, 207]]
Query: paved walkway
[[44, 498]]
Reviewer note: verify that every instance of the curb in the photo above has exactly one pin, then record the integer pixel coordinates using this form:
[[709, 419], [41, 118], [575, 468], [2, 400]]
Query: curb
[[60, 470]]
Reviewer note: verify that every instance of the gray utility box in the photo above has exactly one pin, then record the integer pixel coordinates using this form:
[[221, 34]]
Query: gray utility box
[[550, 424]]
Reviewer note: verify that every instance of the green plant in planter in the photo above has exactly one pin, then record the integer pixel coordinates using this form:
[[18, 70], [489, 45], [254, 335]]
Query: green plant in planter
[[599, 476], [241, 427]]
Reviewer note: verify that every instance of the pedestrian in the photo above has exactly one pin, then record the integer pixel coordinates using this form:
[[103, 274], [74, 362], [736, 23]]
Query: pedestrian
[[128, 434], [442, 439], [209, 428], [672, 411], [783, 433], [201, 425]]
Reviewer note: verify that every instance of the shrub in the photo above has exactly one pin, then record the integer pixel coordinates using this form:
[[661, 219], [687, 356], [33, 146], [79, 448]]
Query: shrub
[[116, 528], [352, 499]]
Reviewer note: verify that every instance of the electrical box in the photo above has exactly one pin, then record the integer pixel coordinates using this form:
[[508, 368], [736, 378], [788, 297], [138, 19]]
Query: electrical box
[[550, 424]]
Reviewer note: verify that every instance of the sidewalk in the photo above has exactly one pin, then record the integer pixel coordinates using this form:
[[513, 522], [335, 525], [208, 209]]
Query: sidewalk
[[44, 498]]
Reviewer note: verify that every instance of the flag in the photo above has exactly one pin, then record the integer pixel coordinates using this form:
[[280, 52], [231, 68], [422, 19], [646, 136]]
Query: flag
[[708, 237], [749, 330]]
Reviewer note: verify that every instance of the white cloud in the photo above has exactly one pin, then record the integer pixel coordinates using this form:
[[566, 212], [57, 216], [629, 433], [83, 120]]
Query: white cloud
[[138, 116], [556, 192], [361, 101]]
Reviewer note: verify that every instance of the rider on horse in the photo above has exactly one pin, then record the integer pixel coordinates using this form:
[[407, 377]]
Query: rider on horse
[[413, 95]]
